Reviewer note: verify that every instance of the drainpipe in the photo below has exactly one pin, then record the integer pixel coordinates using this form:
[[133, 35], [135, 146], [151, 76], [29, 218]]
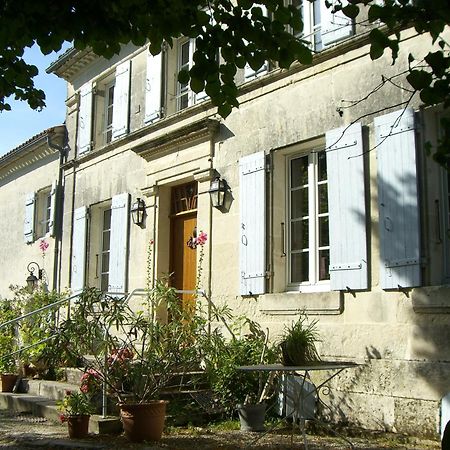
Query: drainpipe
[[58, 209]]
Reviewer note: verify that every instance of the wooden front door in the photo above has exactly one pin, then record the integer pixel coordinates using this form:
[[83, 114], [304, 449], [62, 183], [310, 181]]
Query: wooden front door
[[183, 223]]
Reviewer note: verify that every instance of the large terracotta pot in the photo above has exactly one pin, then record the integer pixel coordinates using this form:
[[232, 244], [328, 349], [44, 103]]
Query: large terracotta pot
[[143, 421], [252, 417], [8, 382], [78, 426]]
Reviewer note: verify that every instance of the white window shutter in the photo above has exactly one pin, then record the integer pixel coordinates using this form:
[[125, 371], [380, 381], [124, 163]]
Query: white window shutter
[[121, 106], [79, 249], [346, 200], [249, 73], [334, 26], [153, 88], [85, 119], [252, 199], [53, 196], [398, 200], [28, 224], [119, 243]]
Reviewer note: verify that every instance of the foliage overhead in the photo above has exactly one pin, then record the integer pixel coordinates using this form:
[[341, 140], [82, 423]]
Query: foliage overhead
[[239, 29]]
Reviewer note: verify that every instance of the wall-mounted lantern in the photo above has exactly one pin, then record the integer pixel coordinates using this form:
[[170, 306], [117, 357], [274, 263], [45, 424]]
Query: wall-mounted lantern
[[138, 211], [218, 190], [32, 279]]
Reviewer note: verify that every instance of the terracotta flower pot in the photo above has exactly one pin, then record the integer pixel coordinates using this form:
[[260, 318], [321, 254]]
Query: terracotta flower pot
[[8, 382], [78, 426], [143, 421]]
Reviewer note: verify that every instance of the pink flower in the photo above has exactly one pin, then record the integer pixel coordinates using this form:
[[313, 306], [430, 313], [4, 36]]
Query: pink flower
[[151, 241], [201, 238], [43, 245], [62, 418], [68, 392]]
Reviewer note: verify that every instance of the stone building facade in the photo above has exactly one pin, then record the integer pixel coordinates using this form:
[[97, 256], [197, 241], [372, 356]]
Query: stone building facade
[[332, 206]]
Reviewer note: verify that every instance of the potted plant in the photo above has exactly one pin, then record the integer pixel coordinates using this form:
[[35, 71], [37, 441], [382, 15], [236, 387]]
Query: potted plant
[[136, 356], [76, 409], [8, 345], [298, 343]]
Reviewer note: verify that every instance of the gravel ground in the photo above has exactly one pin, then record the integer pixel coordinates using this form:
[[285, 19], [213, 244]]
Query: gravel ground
[[24, 431]]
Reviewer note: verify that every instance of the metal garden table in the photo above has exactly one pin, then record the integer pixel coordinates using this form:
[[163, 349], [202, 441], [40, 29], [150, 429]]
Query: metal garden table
[[304, 372]]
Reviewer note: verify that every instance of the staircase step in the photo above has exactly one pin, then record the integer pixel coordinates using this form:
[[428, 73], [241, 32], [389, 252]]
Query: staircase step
[[54, 390], [44, 407]]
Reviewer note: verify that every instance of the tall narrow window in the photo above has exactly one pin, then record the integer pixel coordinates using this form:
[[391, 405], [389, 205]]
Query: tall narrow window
[[109, 105], [308, 234], [311, 17], [184, 63], [105, 250]]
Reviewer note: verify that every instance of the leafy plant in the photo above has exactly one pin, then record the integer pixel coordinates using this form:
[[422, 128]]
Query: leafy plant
[[74, 404], [8, 341], [298, 344]]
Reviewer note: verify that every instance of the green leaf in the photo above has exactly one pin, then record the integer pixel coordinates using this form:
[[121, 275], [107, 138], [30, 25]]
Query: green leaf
[[224, 110], [197, 85], [183, 76], [419, 79], [351, 11]]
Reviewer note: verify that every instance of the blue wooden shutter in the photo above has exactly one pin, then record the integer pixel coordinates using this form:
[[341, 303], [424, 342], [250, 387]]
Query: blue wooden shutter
[[85, 119], [346, 199], [398, 200], [252, 199], [79, 249], [28, 224], [121, 106], [153, 88], [334, 26], [53, 196], [119, 243]]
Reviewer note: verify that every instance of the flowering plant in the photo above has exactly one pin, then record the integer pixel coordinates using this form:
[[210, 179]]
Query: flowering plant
[[90, 381], [74, 404]]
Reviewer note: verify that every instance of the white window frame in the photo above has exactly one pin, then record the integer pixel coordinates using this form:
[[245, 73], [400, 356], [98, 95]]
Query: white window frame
[[103, 270], [108, 127], [43, 212], [311, 29], [313, 284], [185, 90]]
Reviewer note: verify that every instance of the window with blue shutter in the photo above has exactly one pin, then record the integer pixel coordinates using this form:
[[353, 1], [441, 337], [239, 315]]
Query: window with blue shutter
[[120, 115], [252, 247], [346, 194], [153, 88], [398, 200], [52, 209], [79, 249], [118, 254], [28, 224], [84, 136]]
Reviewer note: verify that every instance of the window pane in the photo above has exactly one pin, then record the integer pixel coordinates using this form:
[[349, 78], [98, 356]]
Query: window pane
[[323, 198], [184, 54], [106, 241], [324, 264], [322, 166], [107, 219], [299, 172], [299, 267], [105, 262], [184, 101], [299, 203], [105, 282], [324, 238], [299, 235], [316, 12]]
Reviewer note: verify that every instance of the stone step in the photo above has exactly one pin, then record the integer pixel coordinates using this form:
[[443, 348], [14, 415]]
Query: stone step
[[53, 390], [44, 407]]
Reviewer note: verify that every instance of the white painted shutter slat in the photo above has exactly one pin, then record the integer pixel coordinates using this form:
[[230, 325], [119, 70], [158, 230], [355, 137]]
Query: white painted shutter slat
[[85, 119], [252, 196], [249, 73], [53, 196], [119, 243], [28, 224], [121, 106], [79, 249], [346, 199], [334, 26], [399, 222], [153, 88]]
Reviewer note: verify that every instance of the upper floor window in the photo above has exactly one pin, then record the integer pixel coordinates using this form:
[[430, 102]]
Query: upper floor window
[[44, 211], [310, 13], [308, 230], [109, 110], [184, 94]]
